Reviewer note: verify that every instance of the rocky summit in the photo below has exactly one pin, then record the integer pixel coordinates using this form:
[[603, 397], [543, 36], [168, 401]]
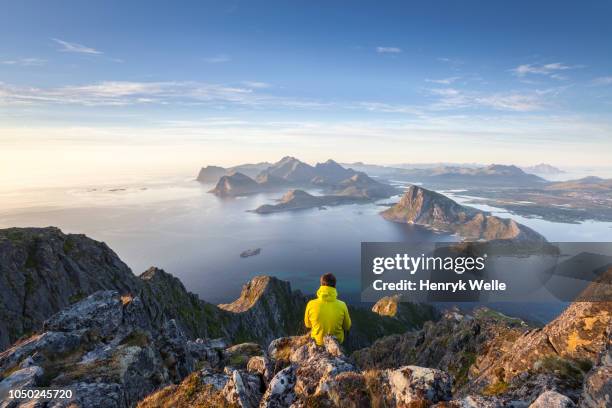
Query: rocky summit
[[434, 210], [148, 342]]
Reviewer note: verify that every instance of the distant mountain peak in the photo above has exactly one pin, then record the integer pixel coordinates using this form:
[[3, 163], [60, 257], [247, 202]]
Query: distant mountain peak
[[434, 210]]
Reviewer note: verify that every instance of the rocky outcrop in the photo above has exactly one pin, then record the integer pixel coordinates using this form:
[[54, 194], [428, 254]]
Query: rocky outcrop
[[436, 211], [309, 376], [106, 349], [43, 270], [451, 344], [597, 388], [410, 314]]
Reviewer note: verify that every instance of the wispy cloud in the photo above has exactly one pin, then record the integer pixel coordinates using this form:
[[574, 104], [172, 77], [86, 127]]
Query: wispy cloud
[[256, 84], [551, 70], [606, 80], [451, 98], [76, 48], [25, 62], [122, 93], [444, 81], [388, 50], [218, 59]]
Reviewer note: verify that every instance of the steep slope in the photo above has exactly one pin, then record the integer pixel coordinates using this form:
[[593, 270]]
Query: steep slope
[[235, 184], [266, 307], [43, 270], [434, 210]]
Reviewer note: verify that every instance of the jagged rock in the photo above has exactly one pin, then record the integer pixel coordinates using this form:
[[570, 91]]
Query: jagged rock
[[207, 351], [267, 308], [434, 210], [23, 378], [280, 392], [43, 270], [243, 389], [410, 385], [597, 388], [105, 348], [552, 399], [262, 366], [450, 344], [476, 401]]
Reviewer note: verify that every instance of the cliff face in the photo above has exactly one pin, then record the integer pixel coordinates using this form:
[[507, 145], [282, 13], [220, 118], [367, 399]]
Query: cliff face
[[434, 210], [43, 270]]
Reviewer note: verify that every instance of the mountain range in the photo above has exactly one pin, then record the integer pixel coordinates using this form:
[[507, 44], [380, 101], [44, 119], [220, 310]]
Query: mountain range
[[291, 172]]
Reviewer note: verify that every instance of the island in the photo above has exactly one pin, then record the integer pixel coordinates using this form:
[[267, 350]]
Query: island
[[434, 210]]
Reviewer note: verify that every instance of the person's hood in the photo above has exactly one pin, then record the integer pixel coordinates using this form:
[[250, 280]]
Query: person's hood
[[327, 293]]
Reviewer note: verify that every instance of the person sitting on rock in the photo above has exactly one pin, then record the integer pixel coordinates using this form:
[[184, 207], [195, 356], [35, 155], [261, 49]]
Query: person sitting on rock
[[326, 315]]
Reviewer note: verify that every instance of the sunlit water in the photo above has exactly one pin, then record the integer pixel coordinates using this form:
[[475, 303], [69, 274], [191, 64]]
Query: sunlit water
[[180, 227]]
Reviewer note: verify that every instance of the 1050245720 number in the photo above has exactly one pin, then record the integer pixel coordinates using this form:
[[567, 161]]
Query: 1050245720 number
[[40, 394]]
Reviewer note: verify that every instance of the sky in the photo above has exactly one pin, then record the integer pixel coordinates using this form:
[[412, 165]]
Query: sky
[[94, 89]]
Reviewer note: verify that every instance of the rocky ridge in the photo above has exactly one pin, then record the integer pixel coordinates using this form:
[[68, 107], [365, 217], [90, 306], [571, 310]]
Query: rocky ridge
[[434, 210]]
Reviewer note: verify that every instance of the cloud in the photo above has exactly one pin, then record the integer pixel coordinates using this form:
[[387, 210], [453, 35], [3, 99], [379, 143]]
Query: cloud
[[25, 62], [451, 98], [607, 80], [444, 81], [77, 48], [122, 93], [256, 84], [388, 50], [551, 70], [218, 59]]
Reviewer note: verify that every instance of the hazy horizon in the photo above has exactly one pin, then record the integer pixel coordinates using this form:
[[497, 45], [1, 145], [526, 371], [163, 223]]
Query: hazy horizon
[[89, 91]]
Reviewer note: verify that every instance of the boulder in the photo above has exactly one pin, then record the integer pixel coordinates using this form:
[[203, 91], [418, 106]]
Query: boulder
[[552, 399]]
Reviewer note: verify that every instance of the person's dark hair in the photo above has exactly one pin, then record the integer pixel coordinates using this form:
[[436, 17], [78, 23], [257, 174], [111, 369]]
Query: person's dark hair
[[328, 279]]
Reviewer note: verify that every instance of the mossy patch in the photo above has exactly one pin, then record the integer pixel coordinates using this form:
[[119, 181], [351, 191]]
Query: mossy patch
[[496, 388]]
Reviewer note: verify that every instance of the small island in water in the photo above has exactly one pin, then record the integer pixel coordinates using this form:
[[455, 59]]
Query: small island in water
[[250, 252]]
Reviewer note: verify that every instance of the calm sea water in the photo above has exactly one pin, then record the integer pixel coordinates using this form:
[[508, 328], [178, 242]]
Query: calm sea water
[[176, 225]]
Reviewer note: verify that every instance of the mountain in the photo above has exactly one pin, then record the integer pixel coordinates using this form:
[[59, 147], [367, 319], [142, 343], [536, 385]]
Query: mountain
[[291, 169], [494, 175], [211, 174], [331, 172], [360, 185], [434, 210], [543, 169], [236, 184], [584, 184], [295, 200]]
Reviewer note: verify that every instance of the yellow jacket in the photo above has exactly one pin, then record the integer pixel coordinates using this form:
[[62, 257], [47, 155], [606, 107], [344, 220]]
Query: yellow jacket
[[326, 315]]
